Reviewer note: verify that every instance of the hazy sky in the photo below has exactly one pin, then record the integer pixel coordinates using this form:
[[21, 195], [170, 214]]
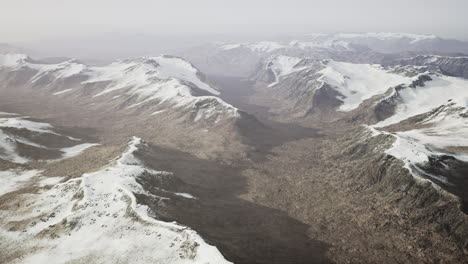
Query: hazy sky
[[33, 20]]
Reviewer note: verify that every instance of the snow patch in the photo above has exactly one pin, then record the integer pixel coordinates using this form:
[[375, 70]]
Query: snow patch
[[12, 59], [159, 112], [15, 179], [21, 123], [8, 149], [186, 195], [50, 181], [76, 150]]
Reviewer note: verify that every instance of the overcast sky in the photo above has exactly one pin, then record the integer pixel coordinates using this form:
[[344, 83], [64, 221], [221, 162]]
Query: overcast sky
[[33, 20]]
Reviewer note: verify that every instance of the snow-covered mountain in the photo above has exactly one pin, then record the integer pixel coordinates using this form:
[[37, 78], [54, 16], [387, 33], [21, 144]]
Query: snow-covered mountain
[[424, 110], [430, 124], [395, 42], [95, 216], [310, 84], [147, 85]]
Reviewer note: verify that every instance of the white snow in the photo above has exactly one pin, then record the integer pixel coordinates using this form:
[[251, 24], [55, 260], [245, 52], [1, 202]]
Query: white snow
[[164, 78], [159, 112], [6, 113], [59, 71], [409, 150], [76, 150], [424, 99], [142, 72], [8, 149], [8, 143], [445, 127], [15, 179], [230, 46], [12, 59], [50, 181], [186, 195], [62, 92], [96, 218], [172, 67], [21, 123], [355, 82], [358, 82]]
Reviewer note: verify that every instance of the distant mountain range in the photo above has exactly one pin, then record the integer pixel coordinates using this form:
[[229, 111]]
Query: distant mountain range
[[242, 58]]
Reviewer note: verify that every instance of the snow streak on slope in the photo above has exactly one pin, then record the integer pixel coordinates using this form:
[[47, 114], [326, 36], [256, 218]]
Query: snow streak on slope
[[358, 82], [96, 218], [21, 123], [14, 179], [9, 141], [8, 149]]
